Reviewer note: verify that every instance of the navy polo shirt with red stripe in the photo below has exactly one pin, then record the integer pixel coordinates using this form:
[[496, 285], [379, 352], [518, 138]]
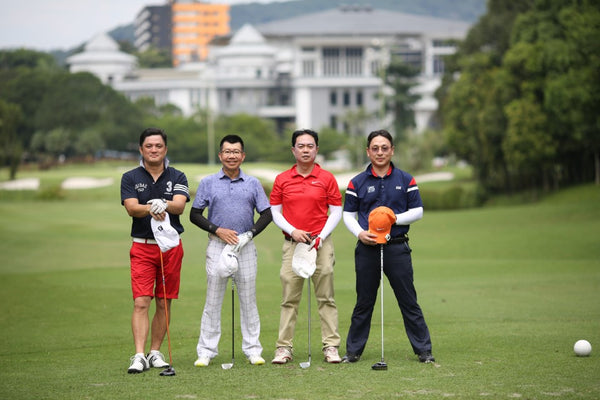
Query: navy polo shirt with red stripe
[[397, 190]]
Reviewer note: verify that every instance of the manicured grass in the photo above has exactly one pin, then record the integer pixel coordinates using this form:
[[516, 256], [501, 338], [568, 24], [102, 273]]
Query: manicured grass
[[506, 292]]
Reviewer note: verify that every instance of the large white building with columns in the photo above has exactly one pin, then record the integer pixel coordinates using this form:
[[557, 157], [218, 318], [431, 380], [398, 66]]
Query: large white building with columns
[[315, 70]]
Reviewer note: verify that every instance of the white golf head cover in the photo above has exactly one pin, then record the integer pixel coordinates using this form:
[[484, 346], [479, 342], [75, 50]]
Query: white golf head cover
[[165, 235], [304, 261], [228, 262]]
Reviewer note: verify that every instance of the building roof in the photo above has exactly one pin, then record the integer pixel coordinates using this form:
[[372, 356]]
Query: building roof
[[101, 49], [247, 41], [364, 20]]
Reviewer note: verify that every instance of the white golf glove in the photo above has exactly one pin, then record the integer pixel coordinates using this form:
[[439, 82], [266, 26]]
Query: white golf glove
[[243, 239], [228, 262], [158, 206], [317, 243]]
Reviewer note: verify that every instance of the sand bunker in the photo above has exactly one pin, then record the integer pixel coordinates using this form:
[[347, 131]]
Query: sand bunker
[[21, 184], [86, 183]]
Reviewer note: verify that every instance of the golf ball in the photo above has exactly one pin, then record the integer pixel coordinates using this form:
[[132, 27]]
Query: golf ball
[[582, 348]]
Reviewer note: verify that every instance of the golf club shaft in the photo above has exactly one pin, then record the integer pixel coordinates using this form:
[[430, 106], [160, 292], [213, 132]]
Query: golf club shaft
[[381, 283], [309, 327], [232, 320], [162, 270]]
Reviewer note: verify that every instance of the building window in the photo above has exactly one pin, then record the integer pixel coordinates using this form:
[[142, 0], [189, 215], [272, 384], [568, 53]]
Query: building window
[[346, 98], [333, 98], [438, 64], [331, 61], [375, 68], [412, 58], [359, 98], [354, 61], [333, 122], [308, 68]]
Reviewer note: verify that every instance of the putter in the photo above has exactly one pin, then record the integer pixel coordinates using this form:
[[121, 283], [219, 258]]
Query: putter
[[168, 371], [381, 366], [230, 365], [307, 363]]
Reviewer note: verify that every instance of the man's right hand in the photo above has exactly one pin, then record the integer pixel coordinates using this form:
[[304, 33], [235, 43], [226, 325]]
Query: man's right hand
[[157, 206]]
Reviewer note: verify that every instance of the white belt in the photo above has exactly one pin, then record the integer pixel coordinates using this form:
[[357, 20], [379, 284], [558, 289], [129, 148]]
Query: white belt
[[146, 241]]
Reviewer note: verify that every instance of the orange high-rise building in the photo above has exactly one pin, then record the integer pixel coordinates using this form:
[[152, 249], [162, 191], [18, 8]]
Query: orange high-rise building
[[195, 24]]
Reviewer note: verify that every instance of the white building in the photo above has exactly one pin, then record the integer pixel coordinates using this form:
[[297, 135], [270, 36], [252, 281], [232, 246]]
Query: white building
[[101, 57], [311, 71]]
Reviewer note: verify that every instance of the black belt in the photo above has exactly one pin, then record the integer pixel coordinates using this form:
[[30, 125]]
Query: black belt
[[399, 239]]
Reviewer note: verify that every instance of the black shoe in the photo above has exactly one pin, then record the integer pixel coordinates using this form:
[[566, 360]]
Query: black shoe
[[350, 358], [426, 357]]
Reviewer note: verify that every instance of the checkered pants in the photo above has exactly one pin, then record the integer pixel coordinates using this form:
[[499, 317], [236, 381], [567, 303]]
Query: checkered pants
[[245, 282]]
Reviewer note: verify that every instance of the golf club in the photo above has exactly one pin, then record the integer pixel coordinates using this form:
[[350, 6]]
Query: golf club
[[230, 365], [381, 366], [168, 371], [307, 363]]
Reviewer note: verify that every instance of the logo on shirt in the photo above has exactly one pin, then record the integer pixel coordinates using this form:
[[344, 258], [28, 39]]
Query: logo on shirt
[[398, 187], [169, 188], [370, 189], [140, 187]]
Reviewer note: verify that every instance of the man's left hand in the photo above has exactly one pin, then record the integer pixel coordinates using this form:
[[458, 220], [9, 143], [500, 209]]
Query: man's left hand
[[317, 243]]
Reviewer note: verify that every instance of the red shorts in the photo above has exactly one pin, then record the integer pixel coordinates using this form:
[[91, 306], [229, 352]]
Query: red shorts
[[146, 275]]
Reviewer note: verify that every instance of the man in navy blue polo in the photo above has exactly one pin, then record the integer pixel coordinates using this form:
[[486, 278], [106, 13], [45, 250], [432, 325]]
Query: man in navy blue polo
[[382, 184], [152, 190]]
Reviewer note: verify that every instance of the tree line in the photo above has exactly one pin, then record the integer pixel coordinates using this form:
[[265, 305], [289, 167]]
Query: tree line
[[521, 97], [519, 102], [47, 113]]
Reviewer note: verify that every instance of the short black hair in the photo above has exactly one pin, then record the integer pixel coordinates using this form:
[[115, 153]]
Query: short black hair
[[151, 132], [301, 132], [231, 139], [381, 132]]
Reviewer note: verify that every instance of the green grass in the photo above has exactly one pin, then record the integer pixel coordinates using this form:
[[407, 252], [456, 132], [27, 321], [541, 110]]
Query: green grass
[[506, 292]]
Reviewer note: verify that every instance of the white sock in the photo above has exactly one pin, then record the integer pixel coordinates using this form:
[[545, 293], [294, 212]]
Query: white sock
[[140, 354], [154, 351]]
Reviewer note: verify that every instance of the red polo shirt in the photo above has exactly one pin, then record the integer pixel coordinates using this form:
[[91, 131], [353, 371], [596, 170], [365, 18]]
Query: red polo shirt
[[305, 201]]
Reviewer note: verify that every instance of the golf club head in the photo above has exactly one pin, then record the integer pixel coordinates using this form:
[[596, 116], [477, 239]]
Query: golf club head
[[305, 365], [227, 365], [168, 372], [380, 366]]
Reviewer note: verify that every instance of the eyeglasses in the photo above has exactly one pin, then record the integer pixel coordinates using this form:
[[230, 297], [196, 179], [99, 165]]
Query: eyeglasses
[[302, 146], [383, 149], [231, 152]]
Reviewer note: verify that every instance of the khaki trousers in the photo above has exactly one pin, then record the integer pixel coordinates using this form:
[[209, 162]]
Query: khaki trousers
[[293, 284]]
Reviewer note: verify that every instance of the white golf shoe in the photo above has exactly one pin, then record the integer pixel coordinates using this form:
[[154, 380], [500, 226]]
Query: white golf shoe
[[157, 360], [138, 364], [202, 361], [331, 355], [282, 356], [256, 360]]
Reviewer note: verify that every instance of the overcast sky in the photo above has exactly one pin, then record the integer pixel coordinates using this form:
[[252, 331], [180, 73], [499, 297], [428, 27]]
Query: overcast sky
[[62, 24]]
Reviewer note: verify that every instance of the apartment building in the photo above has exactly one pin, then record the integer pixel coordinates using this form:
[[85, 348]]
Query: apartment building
[[194, 25], [153, 26]]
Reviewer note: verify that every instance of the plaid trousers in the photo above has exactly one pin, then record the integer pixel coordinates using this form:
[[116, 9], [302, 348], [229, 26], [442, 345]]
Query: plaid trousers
[[245, 282]]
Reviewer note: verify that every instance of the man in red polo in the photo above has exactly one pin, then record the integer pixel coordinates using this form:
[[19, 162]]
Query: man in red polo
[[307, 205]]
